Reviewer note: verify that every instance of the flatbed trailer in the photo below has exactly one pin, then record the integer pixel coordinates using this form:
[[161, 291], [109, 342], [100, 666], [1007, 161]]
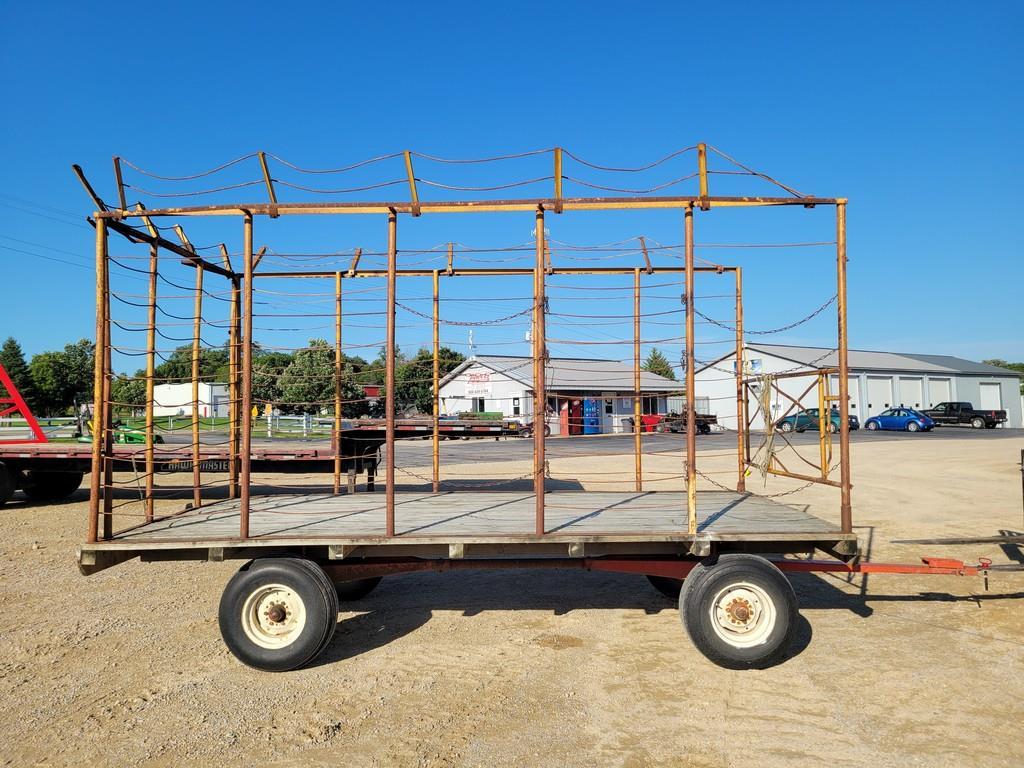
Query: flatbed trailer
[[50, 471], [721, 552]]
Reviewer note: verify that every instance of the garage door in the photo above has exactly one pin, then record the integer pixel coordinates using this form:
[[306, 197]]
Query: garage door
[[912, 392], [879, 394], [991, 397], [939, 391], [854, 388]]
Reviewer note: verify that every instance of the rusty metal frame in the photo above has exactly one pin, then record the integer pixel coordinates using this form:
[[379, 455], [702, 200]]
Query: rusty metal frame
[[241, 341]]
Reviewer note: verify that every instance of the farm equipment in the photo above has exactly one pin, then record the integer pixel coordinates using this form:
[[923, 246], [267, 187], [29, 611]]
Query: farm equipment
[[723, 549]]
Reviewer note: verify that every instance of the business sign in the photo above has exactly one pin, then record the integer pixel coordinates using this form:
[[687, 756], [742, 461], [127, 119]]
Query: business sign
[[478, 385]]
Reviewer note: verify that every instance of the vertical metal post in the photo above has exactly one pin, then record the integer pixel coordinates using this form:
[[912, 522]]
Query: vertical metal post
[[702, 174], [824, 424], [435, 398], [154, 256], [558, 179], [637, 444], [120, 183], [234, 395], [108, 417], [741, 417], [97, 383], [337, 383], [539, 393], [245, 449], [691, 410], [845, 509], [389, 376], [197, 326]]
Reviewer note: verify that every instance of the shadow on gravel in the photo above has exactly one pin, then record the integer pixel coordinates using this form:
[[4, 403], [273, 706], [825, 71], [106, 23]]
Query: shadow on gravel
[[823, 592], [403, 604]]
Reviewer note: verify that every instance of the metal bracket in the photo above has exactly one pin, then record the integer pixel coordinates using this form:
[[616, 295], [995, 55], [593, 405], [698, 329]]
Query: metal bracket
[[340, 551], [701, 546]]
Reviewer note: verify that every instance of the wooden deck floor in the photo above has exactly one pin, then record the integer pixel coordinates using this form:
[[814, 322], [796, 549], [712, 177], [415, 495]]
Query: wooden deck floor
[[479, 516]]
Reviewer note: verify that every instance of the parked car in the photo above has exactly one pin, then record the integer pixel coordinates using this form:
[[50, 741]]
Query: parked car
[[808, 419], [674, 422], [963, 414], [906, 419]]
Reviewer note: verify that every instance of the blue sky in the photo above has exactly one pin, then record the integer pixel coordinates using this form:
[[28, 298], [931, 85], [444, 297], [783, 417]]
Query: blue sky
[[912, 111]]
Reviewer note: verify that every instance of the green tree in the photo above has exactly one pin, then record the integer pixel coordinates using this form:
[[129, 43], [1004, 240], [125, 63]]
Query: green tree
[[657, 363], [413, 378], [61, 378], [178, 365], [128, 392], [307, 384], [13, 361], [267, 370], [1012, 366]]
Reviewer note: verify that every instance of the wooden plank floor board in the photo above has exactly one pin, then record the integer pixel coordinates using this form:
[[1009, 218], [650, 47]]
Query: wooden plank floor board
[[482, 514]]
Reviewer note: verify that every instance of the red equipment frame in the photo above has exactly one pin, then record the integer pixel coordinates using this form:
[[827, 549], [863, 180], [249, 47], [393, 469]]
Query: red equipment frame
[[16, 404]]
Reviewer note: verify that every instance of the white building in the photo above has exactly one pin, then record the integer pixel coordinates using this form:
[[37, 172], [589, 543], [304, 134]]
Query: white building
[[576, 387], [878, 380], [176, 399]]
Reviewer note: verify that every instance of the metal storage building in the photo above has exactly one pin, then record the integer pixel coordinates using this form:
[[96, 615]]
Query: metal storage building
[[878, 380], [505, 383], [176, 399]]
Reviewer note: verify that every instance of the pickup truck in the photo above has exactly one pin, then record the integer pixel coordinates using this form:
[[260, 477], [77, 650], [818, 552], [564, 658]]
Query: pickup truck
[[964, 414]]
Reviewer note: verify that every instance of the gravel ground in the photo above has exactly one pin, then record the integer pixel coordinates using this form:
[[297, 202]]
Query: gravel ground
[[536, 667]]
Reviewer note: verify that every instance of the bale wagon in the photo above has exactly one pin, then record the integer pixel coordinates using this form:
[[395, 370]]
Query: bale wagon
[[723, 549]]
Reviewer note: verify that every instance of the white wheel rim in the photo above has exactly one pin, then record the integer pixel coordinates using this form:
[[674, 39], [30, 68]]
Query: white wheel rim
[[743, 615], [273, 616]]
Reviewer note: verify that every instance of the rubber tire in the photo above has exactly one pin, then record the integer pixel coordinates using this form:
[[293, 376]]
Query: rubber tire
[[317, 593], [978, 423], [786, 426], [871, 426], [913, 427], [660, 428], [670, 588], [41, 485], [7, 484], [348, 591], [699, 590], [832, 428]]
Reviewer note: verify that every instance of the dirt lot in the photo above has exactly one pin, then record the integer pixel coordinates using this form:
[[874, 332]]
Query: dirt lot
[[535, 668]]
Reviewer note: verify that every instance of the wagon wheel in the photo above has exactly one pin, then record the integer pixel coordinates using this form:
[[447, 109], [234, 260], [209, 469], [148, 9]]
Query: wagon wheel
[[740, 611], [277, 614], [7, 484], [41, 485], [357, 589]]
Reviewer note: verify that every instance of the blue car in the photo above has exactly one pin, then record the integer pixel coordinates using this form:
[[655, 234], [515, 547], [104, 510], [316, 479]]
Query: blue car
[[905, 419]]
